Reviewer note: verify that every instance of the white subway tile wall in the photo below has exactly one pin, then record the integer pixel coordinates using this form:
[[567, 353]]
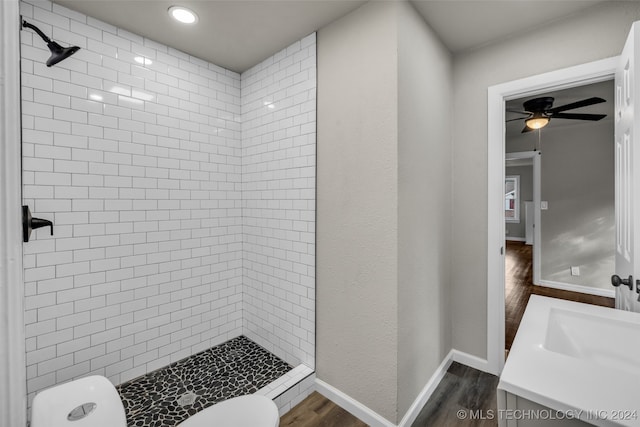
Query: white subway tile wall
[[177, 227], [278, 201], [296, 394], [133, 150]]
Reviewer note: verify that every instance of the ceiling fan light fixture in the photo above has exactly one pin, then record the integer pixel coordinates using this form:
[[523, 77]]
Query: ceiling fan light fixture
[[537, 122], [182, 14]]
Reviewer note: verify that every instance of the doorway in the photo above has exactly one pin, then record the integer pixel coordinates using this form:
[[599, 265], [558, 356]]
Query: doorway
[[523, 169], [575, 226], [498, 95]]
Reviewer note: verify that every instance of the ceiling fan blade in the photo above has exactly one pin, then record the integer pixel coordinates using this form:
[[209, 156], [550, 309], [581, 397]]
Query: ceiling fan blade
[[526, 129], [513, 120], [518, 111], [585, 102], [576, 116]]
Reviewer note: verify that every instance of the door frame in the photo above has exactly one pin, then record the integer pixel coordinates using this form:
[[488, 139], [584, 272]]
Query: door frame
[[592, 72], [536, 177], [13, 388]]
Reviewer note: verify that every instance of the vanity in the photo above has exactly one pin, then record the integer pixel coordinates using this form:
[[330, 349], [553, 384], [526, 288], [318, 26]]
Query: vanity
[[572, 364]]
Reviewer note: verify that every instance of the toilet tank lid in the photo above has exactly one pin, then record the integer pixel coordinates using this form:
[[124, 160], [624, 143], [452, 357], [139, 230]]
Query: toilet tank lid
[[52, 407]]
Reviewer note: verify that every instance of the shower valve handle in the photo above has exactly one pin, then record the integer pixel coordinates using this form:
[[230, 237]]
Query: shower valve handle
[[30, 223]]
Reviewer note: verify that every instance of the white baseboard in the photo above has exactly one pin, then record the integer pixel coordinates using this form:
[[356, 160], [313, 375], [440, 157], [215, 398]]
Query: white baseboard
[[351, 405], [516, 239], [610, 293], [374, 419], [426, 392], [472, 361]]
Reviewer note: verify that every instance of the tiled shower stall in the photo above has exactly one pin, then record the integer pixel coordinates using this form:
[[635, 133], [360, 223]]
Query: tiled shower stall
[[183, 198]]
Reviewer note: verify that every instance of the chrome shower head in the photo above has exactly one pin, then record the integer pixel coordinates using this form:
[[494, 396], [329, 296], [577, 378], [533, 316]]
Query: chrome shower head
[[58, 53]]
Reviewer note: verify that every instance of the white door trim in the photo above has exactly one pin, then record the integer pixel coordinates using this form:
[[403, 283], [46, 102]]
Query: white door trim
[[13, 389], [497, 95], [537, 217]]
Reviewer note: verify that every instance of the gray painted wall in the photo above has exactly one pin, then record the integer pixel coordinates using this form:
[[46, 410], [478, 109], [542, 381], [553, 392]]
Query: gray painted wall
[[578, 229], [384, 205], [517, 229], [357, 212], [424, 204], [597, 33]]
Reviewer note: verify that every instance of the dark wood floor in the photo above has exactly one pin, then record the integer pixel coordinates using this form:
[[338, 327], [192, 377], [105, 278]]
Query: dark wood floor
[[465, 397], [463, 390], [519, 287], [318, 411]]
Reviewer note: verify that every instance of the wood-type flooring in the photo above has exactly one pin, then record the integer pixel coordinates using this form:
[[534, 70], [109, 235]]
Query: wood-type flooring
[[465, 397], [318, 411], [519, 287]]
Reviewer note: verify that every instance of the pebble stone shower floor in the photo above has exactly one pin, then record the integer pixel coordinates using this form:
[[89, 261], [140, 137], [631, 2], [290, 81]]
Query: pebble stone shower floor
[[170, 395]]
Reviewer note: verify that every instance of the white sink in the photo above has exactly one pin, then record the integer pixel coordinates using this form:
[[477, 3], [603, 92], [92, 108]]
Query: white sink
[[577, 358], [609, 343]]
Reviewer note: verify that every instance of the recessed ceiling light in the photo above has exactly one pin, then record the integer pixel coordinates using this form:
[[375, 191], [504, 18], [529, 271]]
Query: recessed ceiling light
[[183, 15]]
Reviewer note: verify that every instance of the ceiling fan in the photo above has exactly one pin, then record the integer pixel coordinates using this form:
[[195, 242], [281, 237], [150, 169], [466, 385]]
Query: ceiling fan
[[539, 111]]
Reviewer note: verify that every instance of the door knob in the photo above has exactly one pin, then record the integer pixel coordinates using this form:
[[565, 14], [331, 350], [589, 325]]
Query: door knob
[[30, 223], [617, 281]]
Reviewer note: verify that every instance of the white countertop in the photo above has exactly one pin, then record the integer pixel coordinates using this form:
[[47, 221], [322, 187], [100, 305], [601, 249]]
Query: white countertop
[[581, 385]]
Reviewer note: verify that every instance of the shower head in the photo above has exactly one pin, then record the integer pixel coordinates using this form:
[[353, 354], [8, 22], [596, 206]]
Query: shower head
[[58, 53]]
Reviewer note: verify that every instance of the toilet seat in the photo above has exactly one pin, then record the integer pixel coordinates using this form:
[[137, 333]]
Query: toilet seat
[[252, 410]]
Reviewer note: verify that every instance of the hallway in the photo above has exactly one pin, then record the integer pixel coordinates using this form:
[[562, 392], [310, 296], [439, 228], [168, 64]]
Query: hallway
[[519, 286]]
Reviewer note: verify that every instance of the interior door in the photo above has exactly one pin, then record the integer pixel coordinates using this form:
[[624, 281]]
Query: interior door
[[627, 174]]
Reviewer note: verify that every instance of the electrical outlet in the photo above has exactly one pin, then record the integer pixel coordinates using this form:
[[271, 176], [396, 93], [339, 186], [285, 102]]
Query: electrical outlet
[[575, 271]]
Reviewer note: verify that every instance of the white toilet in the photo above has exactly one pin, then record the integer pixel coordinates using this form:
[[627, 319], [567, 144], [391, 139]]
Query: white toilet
[[94, 402], [252, 410]]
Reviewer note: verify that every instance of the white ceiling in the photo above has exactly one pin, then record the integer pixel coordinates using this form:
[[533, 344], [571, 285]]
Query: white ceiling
[[234, 34], [237, 34], [602, 90], [466, 24]]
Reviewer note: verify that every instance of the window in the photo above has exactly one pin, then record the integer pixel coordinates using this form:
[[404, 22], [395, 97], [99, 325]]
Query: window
[[512, 198]]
